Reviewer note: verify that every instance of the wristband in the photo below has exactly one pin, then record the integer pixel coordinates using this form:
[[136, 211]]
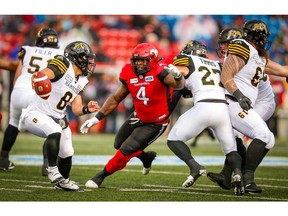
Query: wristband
[[178, 78], [85, 110], [100, 115]]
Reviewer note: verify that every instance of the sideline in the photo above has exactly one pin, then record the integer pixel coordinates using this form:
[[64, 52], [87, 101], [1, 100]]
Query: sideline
[[160, 160]]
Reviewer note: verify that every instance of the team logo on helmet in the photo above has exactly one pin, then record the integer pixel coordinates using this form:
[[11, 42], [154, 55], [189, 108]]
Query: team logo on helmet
[[233, 34], [154, 51], [260, 26]]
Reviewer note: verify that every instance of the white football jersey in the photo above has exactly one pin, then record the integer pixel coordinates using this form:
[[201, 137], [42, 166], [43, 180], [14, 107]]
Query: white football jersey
[[248, 78], [63, 93], [204, 82], [34, 59]]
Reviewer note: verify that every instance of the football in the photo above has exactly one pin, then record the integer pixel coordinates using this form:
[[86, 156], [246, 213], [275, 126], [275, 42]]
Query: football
[[42, 85]]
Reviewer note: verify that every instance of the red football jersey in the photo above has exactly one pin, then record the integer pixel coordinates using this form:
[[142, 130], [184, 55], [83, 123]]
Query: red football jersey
[[150, 95]]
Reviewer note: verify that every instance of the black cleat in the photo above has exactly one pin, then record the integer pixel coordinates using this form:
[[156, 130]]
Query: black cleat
[[191, 179], [252, 188], [147, 161], [220, 180], [238, 183], [5, 164]]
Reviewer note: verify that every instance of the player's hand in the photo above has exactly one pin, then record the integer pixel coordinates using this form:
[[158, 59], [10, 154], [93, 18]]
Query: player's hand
[[244, 102], [173, 70], [87, 124], [93, 106]]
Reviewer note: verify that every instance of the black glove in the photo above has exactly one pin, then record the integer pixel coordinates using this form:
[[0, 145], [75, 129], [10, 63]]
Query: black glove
[[286, 79], [244, 102]]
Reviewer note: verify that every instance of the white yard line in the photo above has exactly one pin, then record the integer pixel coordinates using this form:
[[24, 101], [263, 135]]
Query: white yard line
[[18, 190], [176, 190]]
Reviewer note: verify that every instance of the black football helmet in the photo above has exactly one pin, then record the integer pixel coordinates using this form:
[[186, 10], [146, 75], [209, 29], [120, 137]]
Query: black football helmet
[[196, 48], [225, 37], [257, 32], [144, 51], [47, 37], [81, 54]]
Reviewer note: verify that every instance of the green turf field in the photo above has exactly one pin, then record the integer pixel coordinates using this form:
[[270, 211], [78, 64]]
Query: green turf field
[[25, 183]]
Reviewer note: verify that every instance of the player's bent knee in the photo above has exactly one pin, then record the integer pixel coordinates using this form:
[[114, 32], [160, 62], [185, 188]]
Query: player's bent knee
[[271, 142]]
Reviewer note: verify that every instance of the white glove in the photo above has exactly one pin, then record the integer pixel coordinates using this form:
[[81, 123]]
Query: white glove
[[88, 123], [173, 70]]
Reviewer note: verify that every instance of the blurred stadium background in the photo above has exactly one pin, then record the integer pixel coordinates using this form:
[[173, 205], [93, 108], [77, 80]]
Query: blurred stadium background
[[113, 37]]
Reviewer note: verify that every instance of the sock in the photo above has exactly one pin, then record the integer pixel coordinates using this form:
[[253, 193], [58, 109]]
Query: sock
[[241, 149], [52, 147], [64, 166], [254, 154], [119, 161], [182, 151], [10, 136], [234, 160]]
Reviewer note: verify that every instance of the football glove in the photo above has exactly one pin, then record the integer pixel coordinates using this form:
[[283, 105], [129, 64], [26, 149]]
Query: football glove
[[171, 69], [244, 102], [88, 123]]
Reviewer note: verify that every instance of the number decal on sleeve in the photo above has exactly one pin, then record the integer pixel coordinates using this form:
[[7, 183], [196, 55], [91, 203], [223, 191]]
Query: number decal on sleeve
[[141, 95]]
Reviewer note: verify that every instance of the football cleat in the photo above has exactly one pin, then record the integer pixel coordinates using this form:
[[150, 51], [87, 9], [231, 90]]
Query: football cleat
[[5, 164], [96, 181], [54, 175], [147, 161], [91, 184], [191, 179], [252, 188], [238, 183], [220, 179], [68, 185]]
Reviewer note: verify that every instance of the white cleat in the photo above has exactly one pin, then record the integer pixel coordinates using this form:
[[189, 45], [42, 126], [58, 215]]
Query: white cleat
[[68, 185], [191, 180], [54, 175], [91, 184], [146, 171]]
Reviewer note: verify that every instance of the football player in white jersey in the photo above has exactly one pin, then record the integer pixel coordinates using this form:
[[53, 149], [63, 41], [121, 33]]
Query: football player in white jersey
[[31, 60], [210, 110], [46, 118], [264, 106], [245, 66]]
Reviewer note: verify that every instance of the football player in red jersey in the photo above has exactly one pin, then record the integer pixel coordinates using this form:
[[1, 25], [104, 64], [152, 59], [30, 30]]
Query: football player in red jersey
[[151, 87]]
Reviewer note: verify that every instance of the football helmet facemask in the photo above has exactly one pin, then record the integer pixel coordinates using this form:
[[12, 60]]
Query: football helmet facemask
[[47, 37], [224, 39], [81, 54], [146, 52], [196, 48], [257, 32]]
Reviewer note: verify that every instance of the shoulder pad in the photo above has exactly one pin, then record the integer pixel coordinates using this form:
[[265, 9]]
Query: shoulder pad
[[181, 60], [21, 53], [60, 62], [239, 48]]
